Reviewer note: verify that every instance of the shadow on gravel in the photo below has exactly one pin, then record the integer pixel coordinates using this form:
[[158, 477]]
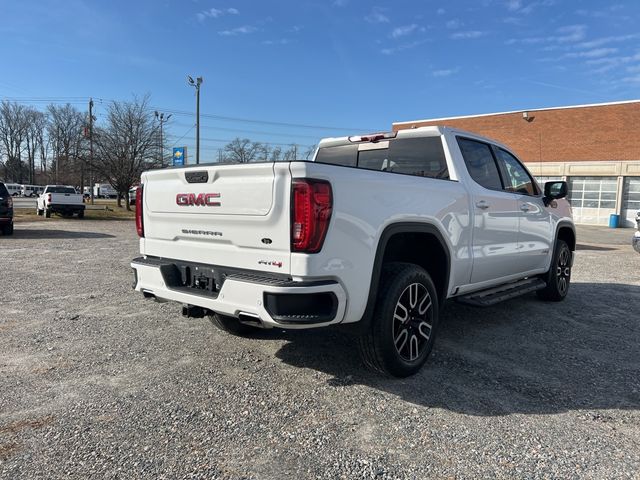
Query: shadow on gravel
[[523, 356], [595, 247], [49, 234]]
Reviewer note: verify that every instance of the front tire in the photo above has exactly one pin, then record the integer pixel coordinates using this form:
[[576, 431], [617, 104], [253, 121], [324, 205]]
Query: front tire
[[81, 214], [231, 325], [404, 324], [558, 277]]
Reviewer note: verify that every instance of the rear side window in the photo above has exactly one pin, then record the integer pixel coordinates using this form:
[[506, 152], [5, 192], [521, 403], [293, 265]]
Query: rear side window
[[345, 155], [480, 163], [421, 156], [3, 190]]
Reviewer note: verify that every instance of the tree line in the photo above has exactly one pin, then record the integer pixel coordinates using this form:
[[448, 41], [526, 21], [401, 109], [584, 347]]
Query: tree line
[[62, 145]]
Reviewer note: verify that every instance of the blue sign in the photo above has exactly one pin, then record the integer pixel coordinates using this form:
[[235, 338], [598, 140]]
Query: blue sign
[[179, 156]]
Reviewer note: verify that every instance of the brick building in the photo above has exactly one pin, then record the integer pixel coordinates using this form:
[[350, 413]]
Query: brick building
[[596, 148]]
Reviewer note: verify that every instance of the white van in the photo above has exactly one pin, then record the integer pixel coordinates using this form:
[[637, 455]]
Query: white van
[[31, 190], [15, 189]]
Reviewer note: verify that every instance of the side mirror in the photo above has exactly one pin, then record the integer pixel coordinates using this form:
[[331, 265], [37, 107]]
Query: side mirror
[[554, 190]]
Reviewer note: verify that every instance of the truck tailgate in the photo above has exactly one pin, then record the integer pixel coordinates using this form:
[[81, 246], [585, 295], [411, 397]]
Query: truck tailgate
[[66, 199], [227, 215]]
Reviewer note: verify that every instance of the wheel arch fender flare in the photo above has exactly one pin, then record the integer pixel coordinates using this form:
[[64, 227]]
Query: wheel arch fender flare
[[388, 232], [565, 224]]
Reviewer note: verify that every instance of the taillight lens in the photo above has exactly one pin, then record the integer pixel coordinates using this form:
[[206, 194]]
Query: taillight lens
[[312, 202], [139, 223], [49, 197]]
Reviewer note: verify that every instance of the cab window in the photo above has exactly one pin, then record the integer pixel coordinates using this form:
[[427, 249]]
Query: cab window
[[480, 163], [517, 179]]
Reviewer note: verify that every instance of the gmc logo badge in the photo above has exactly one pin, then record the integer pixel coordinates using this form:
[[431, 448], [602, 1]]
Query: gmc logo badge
[[201, 199]]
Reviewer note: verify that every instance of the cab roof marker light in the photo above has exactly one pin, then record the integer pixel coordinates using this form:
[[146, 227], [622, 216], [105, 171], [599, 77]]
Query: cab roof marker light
[[372, 137]]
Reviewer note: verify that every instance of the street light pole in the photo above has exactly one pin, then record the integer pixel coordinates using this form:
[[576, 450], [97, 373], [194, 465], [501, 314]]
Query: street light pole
[[90, 148], [196, 84], [162, 119]]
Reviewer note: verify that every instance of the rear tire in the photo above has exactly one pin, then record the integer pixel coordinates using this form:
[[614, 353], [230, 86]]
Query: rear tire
[[404, 324], [8, 229], [39, 212], [47, 213], [231, 325], [558, 277]]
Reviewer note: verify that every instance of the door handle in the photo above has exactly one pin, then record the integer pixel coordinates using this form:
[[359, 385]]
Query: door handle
[[524, 207], [482, 205]]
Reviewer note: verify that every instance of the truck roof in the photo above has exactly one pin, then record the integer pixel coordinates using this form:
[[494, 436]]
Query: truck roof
[[429, 131]]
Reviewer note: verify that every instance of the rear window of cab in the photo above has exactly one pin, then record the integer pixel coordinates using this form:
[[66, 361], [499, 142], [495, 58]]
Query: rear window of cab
[[418, 156]]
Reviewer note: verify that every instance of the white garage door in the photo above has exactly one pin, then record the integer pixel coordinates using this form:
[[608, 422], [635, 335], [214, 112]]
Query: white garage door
[[631, 200], [593, 199]]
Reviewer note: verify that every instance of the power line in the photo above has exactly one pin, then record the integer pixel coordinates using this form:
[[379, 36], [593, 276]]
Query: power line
[[222, 140], [185, 134], [263, 122], [211, 127], [83, 100]]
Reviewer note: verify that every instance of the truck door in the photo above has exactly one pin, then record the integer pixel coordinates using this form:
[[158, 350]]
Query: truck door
[[494, 212], [535, 235]]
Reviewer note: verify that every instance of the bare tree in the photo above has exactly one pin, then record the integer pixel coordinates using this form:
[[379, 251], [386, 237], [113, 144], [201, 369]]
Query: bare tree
[[125, 145], [291, 153], [65, 130], [13, 130], [276, 153], [243, 150], [36, 124], [308, 153]]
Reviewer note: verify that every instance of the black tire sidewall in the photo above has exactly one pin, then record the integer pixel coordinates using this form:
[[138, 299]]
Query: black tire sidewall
[[231, 325], [551, 291], [388, 297]]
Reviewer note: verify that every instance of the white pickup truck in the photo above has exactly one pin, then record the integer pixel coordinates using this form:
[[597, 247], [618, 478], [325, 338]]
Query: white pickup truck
[[377, 232], [61, 199]]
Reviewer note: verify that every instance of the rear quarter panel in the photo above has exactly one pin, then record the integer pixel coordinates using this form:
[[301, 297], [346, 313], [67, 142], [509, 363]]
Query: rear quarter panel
[[366, 202]]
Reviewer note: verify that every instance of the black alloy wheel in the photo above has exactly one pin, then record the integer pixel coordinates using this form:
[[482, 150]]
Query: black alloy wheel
[[403, 327], [558, 278]]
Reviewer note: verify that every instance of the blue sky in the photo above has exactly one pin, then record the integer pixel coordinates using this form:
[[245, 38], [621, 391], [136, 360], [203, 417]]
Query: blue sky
[[351, 66]]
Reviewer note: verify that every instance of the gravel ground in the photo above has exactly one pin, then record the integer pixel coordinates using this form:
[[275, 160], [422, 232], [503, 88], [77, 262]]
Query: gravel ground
[[97, 382]]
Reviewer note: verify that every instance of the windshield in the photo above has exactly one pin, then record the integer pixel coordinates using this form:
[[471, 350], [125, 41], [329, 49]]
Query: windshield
[[61, 190]]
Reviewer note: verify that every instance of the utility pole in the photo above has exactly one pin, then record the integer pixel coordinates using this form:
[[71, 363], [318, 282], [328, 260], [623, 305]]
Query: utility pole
[[90, 149], [197, 84], [57, 154], [160, 116]]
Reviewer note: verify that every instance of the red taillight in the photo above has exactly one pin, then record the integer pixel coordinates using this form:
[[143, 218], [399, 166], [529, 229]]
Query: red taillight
[[139, 223], [49, 197], [312, 202]]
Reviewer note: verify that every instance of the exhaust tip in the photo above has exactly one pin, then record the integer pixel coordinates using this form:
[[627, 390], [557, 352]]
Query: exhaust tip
[[250, 319], [193, 311]]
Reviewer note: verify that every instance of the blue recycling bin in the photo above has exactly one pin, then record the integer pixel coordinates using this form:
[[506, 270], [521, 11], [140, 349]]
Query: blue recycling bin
[[614, 220]]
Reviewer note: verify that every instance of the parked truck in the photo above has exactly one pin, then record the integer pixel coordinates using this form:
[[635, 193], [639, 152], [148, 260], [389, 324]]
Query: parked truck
[[376, 233], [6, 210], [60, 199]]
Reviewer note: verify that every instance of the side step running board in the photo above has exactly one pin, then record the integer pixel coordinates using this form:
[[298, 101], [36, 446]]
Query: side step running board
[[491, 296]]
